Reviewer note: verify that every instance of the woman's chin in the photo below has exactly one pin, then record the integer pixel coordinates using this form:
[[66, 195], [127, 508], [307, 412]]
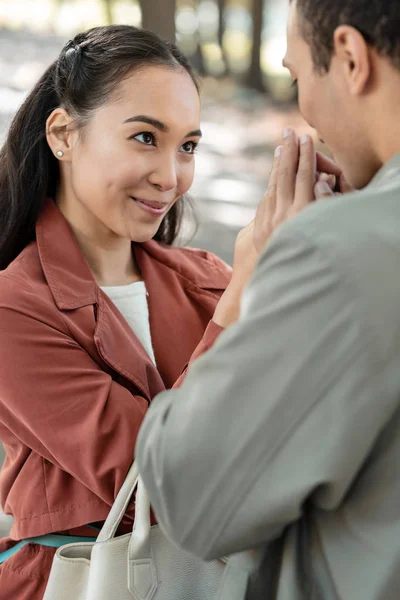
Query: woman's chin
[[144, 235]]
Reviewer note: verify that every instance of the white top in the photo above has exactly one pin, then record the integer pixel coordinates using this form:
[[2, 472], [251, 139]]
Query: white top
[[131, 301]]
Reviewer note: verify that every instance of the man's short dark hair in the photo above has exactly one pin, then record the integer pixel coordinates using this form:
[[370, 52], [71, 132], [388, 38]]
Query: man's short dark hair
[[377, 20]]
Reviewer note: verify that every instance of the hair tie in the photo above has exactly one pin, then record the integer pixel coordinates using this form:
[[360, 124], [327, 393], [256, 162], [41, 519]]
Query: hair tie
[[72, 47]]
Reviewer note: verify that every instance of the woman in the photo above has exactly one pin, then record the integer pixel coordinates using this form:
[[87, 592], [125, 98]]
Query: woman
[[93, 326], [98, 312]]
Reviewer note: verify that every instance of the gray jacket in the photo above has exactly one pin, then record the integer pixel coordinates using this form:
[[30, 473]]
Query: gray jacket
[[286, 434]]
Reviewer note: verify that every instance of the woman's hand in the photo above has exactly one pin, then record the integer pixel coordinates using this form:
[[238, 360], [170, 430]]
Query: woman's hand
[[290, 189], [291, 186]]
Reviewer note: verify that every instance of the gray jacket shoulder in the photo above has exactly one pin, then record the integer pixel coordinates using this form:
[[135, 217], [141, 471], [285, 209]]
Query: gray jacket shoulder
[[359, 235]]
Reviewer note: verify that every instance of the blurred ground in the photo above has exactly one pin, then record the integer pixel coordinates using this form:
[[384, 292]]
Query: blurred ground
[[240, 129]]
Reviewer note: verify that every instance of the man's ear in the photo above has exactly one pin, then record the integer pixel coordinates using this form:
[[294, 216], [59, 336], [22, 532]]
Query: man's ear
[[59, 133], [354, 54]]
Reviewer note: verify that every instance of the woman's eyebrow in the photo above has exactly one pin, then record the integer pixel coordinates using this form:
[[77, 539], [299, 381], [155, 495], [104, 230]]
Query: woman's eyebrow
[[159, 125], [195, 133]]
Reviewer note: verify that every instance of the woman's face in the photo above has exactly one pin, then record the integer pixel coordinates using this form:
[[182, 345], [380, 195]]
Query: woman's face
[[134, 159]]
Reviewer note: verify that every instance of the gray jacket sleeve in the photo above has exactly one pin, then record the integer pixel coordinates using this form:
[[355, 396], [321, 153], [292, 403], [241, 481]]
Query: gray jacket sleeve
[[281, 410]]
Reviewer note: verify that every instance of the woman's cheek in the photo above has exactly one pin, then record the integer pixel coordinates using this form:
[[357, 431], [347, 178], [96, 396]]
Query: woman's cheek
[[187, 177]]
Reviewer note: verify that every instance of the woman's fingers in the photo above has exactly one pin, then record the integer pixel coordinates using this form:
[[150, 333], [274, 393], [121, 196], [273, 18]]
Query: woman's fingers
[[267, 206], [287, 173], [305, 178], [299, 176], [269, 198]]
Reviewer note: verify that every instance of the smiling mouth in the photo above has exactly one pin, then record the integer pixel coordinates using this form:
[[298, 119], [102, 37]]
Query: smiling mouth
[[151, 206]]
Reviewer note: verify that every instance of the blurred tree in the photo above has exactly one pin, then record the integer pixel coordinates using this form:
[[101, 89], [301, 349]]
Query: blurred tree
[[56, 9], [159, 16], [255, 78], [221, 31], [197, 60], [108, 11], [221, 23]]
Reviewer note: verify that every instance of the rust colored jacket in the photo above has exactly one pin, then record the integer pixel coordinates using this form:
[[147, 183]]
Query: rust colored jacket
[[75, 382]]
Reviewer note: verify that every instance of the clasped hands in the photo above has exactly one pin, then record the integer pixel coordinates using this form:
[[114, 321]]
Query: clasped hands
[[299, 177]]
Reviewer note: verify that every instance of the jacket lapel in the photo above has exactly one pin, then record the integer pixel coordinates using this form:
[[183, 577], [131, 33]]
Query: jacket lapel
[[119, 347], [73, 287], [183, 292]]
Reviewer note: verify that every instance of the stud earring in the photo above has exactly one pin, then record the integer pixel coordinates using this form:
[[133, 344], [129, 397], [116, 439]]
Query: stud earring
[[60, 153]]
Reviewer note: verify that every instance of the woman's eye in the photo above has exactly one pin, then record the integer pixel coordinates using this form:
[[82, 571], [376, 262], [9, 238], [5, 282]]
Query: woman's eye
[[189, 147], [145, 138]]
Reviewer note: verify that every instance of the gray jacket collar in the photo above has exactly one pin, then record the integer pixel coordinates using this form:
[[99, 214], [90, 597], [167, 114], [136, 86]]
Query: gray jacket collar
[[388, 176]]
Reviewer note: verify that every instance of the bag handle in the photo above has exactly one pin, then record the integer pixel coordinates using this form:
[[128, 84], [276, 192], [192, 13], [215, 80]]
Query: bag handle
[[142, 577], [120, 505]]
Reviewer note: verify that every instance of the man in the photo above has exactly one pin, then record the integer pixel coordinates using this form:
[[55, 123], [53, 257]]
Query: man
[[286, 434]]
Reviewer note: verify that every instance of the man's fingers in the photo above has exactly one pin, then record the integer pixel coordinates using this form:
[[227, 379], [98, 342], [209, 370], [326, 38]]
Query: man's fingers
[[288, 164], [327, 165], [323, 190], [305, 179]]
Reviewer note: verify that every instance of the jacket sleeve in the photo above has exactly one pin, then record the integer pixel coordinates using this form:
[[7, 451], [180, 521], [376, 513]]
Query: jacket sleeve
[[281, 410], [57, 401], [212, 331], [211, 334]]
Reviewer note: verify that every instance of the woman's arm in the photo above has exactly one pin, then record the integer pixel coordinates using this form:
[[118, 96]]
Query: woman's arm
[[58, 401]]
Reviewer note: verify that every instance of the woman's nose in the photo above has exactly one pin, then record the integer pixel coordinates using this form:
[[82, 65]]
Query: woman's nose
[[165, 175]]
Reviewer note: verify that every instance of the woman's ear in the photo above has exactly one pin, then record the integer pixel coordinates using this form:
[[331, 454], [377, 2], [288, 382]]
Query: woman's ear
[[59, 134], [353, 52]]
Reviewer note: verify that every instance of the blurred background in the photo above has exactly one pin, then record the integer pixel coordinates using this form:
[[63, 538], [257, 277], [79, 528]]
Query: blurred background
[[236, 46]]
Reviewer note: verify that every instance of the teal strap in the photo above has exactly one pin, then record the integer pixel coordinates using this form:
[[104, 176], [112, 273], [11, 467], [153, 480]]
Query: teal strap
[[51, 540]]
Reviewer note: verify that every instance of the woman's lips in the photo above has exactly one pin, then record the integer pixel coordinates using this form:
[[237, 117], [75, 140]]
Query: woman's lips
[[153, 208]]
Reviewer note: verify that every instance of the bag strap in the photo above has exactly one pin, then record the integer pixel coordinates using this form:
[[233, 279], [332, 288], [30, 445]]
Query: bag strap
[[139, 544], [142, 576], [120, 505], [51, 540]]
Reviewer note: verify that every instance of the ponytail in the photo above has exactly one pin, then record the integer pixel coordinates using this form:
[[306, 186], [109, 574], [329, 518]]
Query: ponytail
[[28, 169]]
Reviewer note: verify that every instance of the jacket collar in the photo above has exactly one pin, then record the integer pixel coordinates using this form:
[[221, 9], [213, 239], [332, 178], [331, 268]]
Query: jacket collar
[[388, 175], [69, 276], [67, 273]]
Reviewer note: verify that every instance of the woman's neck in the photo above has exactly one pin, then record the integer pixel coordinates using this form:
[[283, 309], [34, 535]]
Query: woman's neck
[[110, 265], [109, 256]]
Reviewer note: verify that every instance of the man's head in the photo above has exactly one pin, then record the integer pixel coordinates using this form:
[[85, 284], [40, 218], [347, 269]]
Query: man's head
[[345, 57]]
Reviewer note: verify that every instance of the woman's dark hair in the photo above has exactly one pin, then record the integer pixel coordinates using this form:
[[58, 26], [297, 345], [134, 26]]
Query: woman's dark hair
[[83, 78], [377, 20]]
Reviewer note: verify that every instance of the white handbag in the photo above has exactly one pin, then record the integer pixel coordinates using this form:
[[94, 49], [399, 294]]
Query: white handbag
[[143, 565]]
